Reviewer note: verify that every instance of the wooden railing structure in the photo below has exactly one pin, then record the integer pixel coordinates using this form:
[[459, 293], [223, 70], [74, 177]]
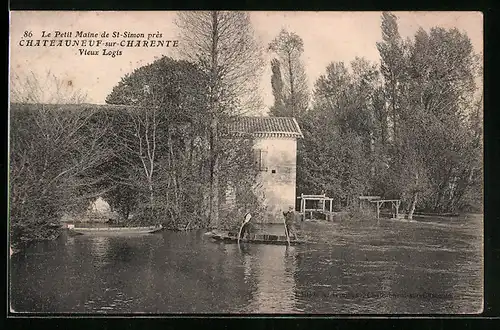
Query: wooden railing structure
[[328, 211], [380, 202], [321, 199]]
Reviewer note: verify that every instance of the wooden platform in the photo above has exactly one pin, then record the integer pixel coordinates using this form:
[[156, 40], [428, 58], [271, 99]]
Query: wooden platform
[[257, 239]]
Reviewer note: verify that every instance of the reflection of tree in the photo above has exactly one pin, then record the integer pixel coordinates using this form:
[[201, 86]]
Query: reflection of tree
[[389, 302], [121, 249], [315, 270], [247, 266], [210, 280]]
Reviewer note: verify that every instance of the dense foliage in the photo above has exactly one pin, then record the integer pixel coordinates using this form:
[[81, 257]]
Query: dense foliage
[[161, 160], [223, 46], [147, 153], [54, 150], [289, 81], [409, 128]]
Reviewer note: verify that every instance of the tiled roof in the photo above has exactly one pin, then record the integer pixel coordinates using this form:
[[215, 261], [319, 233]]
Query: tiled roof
[[245, 125], [266, 127]]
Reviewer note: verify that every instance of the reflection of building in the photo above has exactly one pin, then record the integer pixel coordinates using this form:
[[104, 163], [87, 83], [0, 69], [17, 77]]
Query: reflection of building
[[273, 270], [275, 152], [99, 247]]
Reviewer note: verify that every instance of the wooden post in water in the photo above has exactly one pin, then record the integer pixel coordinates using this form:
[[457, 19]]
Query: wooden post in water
[[378, 212]]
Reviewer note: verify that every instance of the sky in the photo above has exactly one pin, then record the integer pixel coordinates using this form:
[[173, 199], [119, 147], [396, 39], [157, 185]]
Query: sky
[[328, 37]]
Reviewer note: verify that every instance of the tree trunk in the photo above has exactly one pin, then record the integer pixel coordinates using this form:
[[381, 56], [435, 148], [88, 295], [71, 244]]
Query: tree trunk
[[151, 195], [463, 184], [127, 211], [214, 180], [214, 173], [292, 88], [173, 170], [372, 155], [394, 113], [383, 127], [413, 205]]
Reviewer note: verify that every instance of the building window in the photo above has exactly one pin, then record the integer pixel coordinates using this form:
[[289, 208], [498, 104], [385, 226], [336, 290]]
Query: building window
[[260, 159]]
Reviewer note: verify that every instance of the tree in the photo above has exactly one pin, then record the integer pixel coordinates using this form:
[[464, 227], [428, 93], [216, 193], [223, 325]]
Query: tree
[[49, 89], [440, 94], [429, 86], [411, 129], [277, 87], [342, 113], [166, 110], [392, 65], [54, 149], [289, 48], [53, 152], [223, 46]]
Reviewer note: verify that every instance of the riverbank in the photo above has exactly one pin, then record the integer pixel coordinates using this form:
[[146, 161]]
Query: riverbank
[[342, 218]]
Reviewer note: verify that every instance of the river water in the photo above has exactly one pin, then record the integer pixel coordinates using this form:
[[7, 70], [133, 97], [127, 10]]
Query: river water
[[395, 267]]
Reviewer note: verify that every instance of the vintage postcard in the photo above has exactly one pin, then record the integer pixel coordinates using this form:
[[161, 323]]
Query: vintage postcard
[[226, 162]]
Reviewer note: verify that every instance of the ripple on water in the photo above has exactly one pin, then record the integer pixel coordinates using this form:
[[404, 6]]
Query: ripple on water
[[321, 285], [329, 261], [422, 247]]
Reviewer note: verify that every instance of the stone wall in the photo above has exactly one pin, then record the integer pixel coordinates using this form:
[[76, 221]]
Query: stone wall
[[277, 176]]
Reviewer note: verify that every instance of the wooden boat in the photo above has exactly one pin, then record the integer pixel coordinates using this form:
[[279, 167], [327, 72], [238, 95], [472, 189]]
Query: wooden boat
[[228, 237], [114, 230]]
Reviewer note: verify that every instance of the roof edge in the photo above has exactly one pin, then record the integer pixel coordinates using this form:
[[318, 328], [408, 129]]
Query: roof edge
[[265, 134], [298, 127]]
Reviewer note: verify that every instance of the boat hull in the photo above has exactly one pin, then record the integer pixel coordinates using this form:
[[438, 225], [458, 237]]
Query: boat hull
[[115, 230], [257, 239]]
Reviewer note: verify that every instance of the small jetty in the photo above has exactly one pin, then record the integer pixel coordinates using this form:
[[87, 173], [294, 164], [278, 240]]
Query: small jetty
[[229, 237], [114, 230]]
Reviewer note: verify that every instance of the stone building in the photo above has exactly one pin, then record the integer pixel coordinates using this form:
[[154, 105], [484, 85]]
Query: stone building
[[275, 152]]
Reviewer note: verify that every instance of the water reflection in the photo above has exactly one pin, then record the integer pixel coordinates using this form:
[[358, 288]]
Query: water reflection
[[99, 246], [247, 264], [273, 268], [408, 268]]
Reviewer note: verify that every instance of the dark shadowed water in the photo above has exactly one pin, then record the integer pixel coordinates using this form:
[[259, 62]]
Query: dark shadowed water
[[394, 267]]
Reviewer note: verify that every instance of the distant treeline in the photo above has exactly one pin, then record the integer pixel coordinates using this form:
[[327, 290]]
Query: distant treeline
[[409, 127]]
